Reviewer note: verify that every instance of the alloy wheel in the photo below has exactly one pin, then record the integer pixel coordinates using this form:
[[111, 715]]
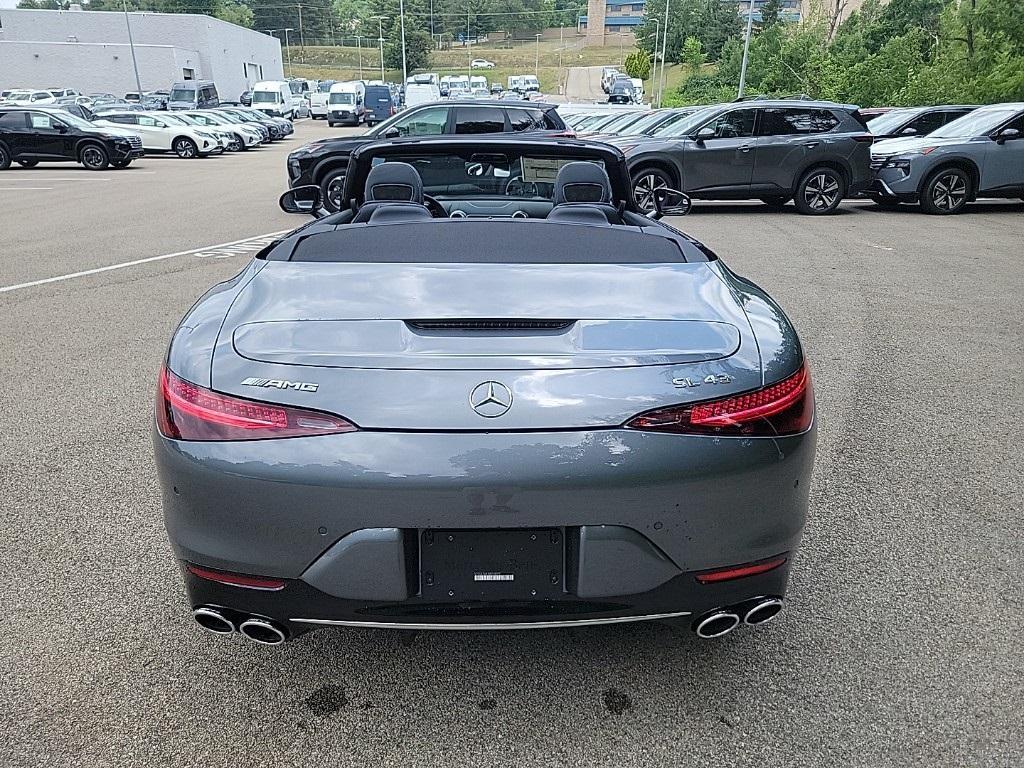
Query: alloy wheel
[[949, 191], [92, 157], [334, 189], [821, 192], [644, 189], [185, 148]]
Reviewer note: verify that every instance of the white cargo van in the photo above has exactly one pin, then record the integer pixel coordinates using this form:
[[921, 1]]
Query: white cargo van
[[345, 103], [274, 98]]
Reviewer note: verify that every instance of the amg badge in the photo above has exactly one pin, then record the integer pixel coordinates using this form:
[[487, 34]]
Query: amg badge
[[301, 386]]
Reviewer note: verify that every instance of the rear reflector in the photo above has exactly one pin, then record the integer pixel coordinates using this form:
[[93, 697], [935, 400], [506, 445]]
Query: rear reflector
[[739, 571], [236, 579], [186, 411], [783, 408]]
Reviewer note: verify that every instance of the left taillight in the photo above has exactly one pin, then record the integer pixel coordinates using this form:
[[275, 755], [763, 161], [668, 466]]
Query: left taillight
[[783, 408], [186, 411]]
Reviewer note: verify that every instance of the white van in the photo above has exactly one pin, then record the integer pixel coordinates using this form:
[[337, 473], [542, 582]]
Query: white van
[[477, 81], [421, 93], [345, 103], [531, 83], [273, 98], [638, 89]]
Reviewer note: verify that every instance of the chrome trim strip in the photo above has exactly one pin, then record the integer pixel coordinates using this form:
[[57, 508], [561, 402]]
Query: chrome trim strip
[[506, 625]]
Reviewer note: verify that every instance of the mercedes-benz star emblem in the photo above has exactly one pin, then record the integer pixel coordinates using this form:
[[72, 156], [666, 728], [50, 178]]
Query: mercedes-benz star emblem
[[491, 399]]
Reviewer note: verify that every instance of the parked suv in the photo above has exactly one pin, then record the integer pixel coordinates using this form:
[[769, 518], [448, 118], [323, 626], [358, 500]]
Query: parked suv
[[324, 162], [979, 155], [814, 153], [914, 121], [33, 135]]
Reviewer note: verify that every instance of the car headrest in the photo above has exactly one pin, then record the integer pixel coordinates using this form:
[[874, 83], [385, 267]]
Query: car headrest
[[582, 182], [393, 182]]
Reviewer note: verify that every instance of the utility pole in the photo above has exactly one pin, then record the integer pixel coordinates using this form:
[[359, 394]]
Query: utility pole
[[536, 61], [469, 56], [561, 38], [656, 96], [131, 45], [746, 49], [401, 15], [288, 48], [302, 37], [380, 41], [359, 45]]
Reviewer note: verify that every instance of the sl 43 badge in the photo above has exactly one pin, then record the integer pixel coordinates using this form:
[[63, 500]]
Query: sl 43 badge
[[301, 386], [684, 382]]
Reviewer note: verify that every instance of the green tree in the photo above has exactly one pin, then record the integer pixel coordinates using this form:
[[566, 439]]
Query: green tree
[[638, 64], [693, 53]]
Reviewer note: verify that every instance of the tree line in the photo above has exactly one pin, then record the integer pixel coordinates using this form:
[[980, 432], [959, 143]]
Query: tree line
[[904, 52]]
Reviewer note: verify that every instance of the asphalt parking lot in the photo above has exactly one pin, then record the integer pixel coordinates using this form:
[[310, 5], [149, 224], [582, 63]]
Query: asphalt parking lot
[[900, 646]]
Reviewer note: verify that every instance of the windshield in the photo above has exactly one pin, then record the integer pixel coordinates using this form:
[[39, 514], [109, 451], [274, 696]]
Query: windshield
[[975, 124], [75, 121], [890, 121], [325, 86], [228, 118], [20, 95], [167, 117], [182, 94], [687, 123], [472, 175], [266, 97], [342, 98], [622, 122], [296, 87], [649, 120]]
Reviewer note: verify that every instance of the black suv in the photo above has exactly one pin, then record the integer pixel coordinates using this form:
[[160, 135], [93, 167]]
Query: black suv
[[30, 135], [812, 152], [324, 162]]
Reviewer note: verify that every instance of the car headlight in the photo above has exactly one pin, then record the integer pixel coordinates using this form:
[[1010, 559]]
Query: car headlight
[[901, 164]]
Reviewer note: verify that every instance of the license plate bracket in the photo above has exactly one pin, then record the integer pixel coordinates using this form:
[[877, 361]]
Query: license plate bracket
[[508, 564]]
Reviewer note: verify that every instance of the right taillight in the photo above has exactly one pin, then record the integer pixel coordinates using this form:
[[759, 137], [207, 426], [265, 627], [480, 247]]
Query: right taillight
[[783, 408], [186, 411]]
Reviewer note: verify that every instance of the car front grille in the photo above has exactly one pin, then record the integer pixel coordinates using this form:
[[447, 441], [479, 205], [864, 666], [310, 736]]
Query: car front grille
[[877, 162], [135, 141]]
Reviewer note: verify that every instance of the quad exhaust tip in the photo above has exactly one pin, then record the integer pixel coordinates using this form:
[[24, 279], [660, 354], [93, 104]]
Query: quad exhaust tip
[[717, 624], [262, 631], [213, 621], [763, 611]]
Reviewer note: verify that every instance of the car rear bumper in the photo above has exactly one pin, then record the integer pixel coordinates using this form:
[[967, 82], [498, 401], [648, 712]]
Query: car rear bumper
[[343, 520]]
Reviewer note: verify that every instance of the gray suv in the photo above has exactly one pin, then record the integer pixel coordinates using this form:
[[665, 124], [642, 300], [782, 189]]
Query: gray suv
[[979, 155], [813, 153]]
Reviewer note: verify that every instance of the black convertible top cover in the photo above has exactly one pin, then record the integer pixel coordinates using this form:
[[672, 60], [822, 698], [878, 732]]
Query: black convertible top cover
[[469, 241]]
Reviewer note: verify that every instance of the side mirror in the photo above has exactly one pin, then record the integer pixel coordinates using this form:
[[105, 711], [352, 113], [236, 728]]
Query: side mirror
[[391, 133], [306, 199], [704, 134], [670, 202], [160, 124], [1007, 134], [908, 131]]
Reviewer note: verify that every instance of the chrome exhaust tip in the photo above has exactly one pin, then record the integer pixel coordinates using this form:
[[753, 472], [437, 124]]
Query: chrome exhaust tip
[[213, 621], [262, 631], [717, 624], [763, 611]]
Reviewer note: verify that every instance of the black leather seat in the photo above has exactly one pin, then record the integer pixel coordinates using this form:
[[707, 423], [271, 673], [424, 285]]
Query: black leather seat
[[394, 192], [583, 195]]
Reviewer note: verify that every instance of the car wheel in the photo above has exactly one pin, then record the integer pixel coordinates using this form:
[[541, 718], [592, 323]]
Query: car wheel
[[5, 158], [946, 191], [775, 202], [240, 145], [330, 124], [121, 163], [94, 157], [185, 148], [331, 188], [820, 191], [645, 182]]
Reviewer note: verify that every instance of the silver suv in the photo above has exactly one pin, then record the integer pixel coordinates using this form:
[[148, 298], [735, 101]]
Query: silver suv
[[979, 155]]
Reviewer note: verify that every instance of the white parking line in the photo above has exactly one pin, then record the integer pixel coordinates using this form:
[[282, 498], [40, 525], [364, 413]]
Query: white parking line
[[37, 178], [253, 244], [21, 189]]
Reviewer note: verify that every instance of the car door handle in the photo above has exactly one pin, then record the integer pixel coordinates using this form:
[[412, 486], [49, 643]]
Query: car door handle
[[745, 148], [811, 144]]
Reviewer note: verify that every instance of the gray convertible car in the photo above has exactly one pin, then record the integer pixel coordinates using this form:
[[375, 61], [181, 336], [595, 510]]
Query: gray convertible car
[[490, 393]]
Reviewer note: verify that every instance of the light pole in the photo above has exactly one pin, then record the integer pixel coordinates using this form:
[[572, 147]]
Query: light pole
[[561, 38], [654, 73], [380, 41], [359, 45], [746, 49], [664, 52], [288, 48], [536, 61], [401, 14], [131, 45]]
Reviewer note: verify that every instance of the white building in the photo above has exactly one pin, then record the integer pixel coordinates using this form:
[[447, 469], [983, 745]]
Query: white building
[[89, 51]]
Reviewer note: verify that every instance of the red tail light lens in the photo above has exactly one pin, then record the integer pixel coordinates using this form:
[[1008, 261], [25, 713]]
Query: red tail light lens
[[237, 579], [186, 411], [739, 571], [784, 408]]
